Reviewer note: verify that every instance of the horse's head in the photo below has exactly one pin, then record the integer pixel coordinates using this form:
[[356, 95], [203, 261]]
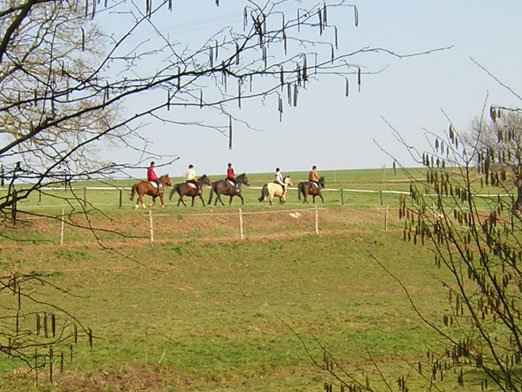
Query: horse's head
[[321, 181], [165, 180], [204, 180], [288, 180], [243, 179]]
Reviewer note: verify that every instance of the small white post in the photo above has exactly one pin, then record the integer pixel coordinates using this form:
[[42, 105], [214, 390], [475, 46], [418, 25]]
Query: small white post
[[316, 219], [62, 227], [151, 226], [241, 235], [386, 218]]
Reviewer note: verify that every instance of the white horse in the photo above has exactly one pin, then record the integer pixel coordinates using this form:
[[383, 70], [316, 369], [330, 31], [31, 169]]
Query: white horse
[[272, 189]]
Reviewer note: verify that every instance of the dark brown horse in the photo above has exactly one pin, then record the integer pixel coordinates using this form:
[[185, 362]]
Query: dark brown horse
[[306, 188], [185, 189], [224, 187], [143, 188]]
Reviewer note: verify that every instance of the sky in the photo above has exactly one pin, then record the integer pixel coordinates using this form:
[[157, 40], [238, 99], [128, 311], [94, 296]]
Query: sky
[[413, 94]]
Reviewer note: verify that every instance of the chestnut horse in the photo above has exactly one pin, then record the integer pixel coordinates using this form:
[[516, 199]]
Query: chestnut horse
[[224, 187], [185, 189], [306, 188], [272, 189], [143, 188]]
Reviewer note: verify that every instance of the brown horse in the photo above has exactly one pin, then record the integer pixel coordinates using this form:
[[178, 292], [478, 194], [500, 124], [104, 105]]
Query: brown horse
[[306, 188], [224, 187], [143, 188], [185, 189]]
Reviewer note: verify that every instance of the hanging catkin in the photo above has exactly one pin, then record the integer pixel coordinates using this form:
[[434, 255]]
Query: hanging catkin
[[280, 107], [320, 15], [347, 88], [230, 132], [239, 93], [356, 15], [359, 79], [305, 69]]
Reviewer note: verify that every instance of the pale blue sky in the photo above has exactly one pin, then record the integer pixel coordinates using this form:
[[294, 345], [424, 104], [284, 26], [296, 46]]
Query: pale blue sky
[[334, 132]]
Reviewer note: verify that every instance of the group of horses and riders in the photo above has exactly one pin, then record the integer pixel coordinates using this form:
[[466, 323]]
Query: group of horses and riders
[[230, 186]]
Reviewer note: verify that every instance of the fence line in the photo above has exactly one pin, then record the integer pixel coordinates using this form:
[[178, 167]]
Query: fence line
[[314, 228]]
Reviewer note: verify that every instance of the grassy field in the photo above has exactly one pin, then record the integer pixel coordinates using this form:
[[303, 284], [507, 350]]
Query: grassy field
[[199, 309]]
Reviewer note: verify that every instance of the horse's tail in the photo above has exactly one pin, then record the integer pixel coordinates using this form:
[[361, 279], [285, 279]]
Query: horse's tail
[[211, 193], [133, 191], [299, 190], [264, 192]]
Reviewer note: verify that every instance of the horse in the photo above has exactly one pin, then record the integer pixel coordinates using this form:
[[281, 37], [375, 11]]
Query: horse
[[272, 189], [225, 187], [185, 189], [143, 188], [306, 188]]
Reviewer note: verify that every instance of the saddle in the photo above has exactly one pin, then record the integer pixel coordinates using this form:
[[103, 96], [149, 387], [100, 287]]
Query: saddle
[[314, 184], [155, 186]]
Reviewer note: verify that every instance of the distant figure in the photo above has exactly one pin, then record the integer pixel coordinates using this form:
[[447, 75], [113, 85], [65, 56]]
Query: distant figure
[[313, 176], [279, 179], [190, 177], [152, 176], [231, 176]]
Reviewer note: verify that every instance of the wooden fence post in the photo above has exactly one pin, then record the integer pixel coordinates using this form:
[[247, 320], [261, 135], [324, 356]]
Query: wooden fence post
[[241, 234], [342, 197], [84, 197], [14, 208], [121, 197], [151, 226], [316, 219], [62, 227], [380, 195], [386, 218]]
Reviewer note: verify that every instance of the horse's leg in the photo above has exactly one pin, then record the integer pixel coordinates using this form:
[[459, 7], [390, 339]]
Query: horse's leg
[[321, 196], [153, 202], [161, 199], [230, 200], [201, 198], [218, 197], [180, 200]]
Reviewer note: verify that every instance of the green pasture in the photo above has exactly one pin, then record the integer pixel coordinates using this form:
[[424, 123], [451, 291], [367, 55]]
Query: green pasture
[[244, 316], [201, 310]]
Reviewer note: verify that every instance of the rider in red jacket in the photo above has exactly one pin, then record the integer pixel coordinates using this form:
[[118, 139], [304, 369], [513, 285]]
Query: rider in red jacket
[[152, 176]]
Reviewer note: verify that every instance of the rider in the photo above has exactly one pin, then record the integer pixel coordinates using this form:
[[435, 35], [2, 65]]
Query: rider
[[152, 176], [313, 176], [279, 179], [231, 176], [190, 177]]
